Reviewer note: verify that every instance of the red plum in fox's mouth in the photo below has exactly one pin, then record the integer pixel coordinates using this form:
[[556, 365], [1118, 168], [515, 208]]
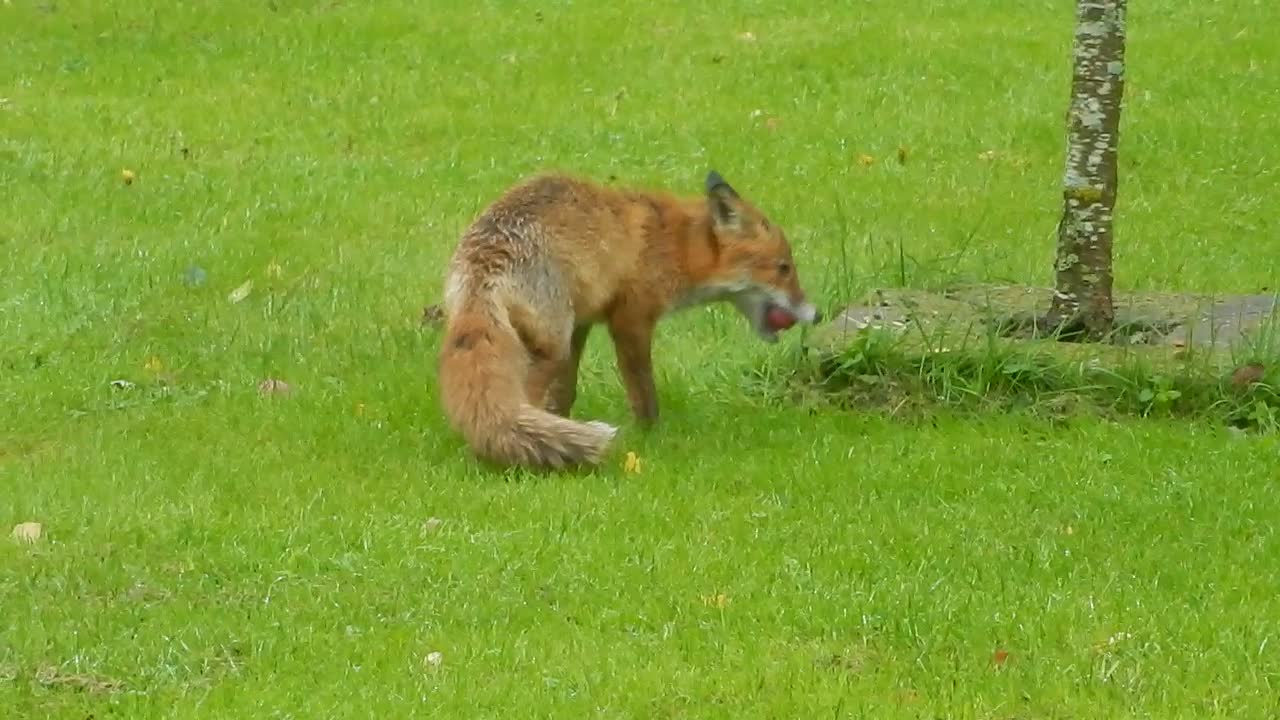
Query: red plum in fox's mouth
[[778, 318]]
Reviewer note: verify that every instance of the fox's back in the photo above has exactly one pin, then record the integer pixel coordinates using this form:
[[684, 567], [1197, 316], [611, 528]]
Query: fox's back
[[559, 231]]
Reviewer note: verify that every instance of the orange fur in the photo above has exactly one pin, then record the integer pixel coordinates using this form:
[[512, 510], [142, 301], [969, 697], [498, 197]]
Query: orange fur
[[556, 255]]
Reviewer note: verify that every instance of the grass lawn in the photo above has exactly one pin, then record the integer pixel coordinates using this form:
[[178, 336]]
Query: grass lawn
[[335, 552]]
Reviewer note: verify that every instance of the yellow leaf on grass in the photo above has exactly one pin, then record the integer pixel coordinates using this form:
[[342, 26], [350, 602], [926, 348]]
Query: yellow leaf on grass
[[128, 176], [27, 532], [631, 465], [153, 364], [866, 160], [717, 600]]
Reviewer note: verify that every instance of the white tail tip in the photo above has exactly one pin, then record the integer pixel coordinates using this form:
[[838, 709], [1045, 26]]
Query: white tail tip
[[604, 427]]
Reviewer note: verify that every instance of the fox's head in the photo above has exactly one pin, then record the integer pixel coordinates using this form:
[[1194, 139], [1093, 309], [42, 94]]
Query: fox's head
[[754, 268]]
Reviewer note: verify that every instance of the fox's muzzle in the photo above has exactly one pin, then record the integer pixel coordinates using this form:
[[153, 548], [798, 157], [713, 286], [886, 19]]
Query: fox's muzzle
[[807, 313]]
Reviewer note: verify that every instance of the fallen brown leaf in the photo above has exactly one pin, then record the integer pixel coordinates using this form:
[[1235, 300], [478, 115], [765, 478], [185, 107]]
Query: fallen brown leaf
[[49, 675], [852, 660], [432, 315], [271, 386], [1000, 657], [241, 292], [1247, 375], [27, 532], [908, 696]]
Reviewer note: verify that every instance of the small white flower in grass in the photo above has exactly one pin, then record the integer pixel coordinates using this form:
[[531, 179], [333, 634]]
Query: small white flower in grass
[[1112, 641], [433, 660]]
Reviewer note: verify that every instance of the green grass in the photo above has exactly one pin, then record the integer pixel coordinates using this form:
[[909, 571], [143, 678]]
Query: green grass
[[220, 554]]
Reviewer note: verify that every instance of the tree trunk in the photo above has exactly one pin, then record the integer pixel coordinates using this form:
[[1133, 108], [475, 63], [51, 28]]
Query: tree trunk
[[1082, 296]]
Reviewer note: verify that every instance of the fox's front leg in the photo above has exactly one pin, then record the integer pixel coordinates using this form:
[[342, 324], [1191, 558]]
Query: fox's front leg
[[633, 342]]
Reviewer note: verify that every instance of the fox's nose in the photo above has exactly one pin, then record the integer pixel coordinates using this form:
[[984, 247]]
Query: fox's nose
[[809, 313]]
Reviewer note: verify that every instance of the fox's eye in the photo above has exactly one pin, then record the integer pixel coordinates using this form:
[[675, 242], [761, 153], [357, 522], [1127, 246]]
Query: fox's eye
[[784, 268]]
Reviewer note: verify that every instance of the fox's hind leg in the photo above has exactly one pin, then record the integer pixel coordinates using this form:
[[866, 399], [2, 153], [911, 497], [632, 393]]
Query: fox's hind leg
[[545, 322], [564, 385], [549, 349]]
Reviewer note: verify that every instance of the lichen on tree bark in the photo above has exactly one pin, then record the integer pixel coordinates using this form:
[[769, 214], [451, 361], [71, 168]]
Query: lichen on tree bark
[[1082, 298]]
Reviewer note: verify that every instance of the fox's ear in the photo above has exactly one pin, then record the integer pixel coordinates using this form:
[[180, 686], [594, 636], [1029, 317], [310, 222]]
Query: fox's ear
[[723, 201], [717, 184]]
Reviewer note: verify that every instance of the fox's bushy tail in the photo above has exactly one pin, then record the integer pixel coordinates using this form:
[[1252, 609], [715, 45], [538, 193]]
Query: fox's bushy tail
[[482, 390]]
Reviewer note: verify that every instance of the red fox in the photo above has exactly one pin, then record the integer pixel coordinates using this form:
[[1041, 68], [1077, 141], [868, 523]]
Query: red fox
[[556, 255]]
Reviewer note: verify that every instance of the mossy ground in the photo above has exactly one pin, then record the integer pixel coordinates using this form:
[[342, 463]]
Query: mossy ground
[[1213, 358]]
